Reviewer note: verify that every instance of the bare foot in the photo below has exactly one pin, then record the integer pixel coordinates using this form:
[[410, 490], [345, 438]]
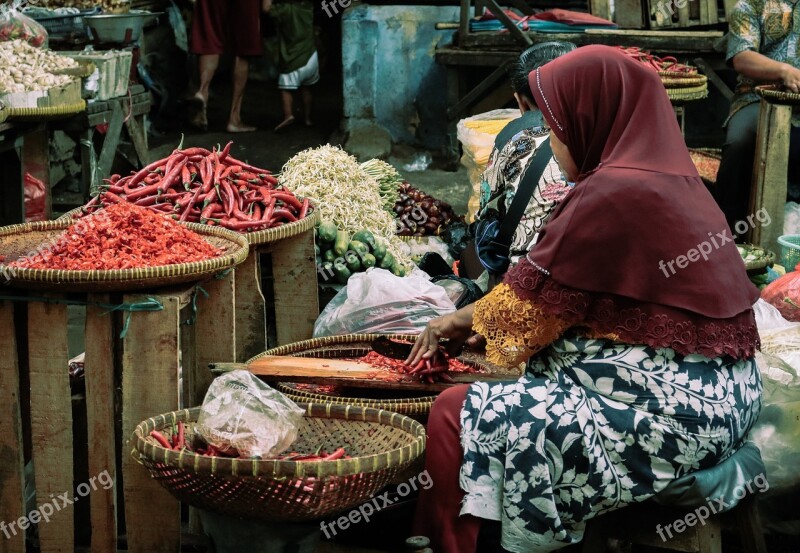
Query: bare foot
[[200, 119], [285, 123], [240, 128]]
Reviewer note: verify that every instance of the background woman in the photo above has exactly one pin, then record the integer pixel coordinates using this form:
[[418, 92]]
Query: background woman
[[634, 377]]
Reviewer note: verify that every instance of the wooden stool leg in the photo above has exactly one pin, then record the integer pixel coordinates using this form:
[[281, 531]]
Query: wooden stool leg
[[12, 503], [749, 525], [709, 536], [770, 173]]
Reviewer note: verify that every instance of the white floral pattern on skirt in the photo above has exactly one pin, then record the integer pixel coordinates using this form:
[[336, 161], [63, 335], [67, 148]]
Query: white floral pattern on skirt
[[594, 426]]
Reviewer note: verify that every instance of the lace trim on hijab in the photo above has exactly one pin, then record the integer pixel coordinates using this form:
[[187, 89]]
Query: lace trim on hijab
[[635, 322]]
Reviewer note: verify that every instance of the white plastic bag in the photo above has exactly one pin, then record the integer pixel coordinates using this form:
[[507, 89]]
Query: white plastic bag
[[378, 301], [478, 148], [242, 415]]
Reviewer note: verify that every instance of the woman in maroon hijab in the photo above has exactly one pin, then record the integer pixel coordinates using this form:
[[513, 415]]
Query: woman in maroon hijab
[[633, 313]]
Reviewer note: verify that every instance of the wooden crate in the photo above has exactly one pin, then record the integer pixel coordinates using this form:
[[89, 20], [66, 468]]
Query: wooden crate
[[127, 380], [294, 295]]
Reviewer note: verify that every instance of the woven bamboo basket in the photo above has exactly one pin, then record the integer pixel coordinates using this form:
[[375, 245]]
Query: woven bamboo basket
[[357, 345], [382, 444], [17, 241], [685, 82], [687, 94], [777, 95], [678, 74], [260, 237], [46, 113]]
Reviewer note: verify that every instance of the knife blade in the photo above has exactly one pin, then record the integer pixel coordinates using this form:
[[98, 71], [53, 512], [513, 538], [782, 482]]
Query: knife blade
[[391, 348]]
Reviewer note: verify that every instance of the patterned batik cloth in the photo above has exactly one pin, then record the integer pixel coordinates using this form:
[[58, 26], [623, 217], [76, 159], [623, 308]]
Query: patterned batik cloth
[[593, 426], [502, 177], [771, 28]]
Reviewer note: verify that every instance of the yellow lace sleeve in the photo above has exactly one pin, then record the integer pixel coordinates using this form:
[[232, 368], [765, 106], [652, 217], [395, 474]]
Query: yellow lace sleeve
[[514, 328]]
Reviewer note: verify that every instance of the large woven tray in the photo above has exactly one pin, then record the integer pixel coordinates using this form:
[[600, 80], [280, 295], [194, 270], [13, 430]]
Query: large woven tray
[[357, 345], [382, 444], [776, 95], [20, 240], [46, 113], [685, 82]]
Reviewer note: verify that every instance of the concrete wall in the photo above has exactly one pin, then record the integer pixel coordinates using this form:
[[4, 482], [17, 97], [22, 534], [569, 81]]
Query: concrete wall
[[390, 76]]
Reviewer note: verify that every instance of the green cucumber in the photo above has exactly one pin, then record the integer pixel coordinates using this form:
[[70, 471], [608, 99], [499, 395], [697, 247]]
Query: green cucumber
[[380, 250], [368, 261], [328, 255], [341, 243], [353, 263], [360, 248], [365, 237], [387, 262], [327, 231], [341, 273]]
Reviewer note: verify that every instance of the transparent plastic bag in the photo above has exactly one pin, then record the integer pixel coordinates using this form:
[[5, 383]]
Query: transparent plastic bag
[[378, 301], [16, 25], [242, 415]]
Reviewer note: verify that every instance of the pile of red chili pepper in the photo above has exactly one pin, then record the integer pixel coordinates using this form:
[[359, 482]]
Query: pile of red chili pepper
[[667, 63], [210, 187], [122, 236], [428, 370], [177, 441]]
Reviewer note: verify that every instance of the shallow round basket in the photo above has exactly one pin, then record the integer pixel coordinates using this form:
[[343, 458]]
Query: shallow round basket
[[50, 112], [381, 443], [687, 82], [687, 94], [358, 345], [777, 95], [282, 232], [763, 258], [18, 241], [678, 74], [790, 250]]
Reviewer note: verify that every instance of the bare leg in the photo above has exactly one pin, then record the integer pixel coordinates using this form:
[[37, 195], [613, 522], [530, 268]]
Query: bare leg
[[307, 104], [287, 100], [240, 71], [208, 67]]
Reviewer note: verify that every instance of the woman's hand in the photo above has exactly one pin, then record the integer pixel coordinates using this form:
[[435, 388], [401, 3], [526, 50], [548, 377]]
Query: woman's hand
[[457, 327]]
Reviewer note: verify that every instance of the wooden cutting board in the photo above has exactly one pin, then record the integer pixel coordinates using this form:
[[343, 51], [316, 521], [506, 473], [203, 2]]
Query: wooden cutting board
[[339, 372]]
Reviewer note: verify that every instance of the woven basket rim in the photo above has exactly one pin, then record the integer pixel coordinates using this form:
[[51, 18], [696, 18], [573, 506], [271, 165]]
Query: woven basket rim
[[282, 232], [159, 273], [46, 112], [265, 468], [783, 240], [772, 92], [689, 82], [679, 74], [687, 94], [257, 238], [377, 403]]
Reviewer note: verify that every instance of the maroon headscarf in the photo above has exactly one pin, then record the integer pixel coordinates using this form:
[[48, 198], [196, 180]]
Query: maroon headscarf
[[638, 203]]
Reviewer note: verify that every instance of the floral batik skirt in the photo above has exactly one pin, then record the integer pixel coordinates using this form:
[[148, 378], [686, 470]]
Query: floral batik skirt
[[594, 426]]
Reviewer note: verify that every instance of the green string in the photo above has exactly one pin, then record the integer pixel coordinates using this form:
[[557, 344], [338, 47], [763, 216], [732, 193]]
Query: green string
[[148, 304], [193, 318]]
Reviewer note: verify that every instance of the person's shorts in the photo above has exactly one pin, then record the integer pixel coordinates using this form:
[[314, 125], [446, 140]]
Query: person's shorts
[[227, 27], [305, 76]]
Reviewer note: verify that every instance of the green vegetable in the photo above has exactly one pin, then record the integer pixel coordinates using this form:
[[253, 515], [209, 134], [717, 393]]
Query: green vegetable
[[380, 250], [327, 231], [341, 273], [398, 270], [387, 262], [341, 243], [365, 237], [353, 263], [327, 272], [328, 255], [368, 261], [359, 247]]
